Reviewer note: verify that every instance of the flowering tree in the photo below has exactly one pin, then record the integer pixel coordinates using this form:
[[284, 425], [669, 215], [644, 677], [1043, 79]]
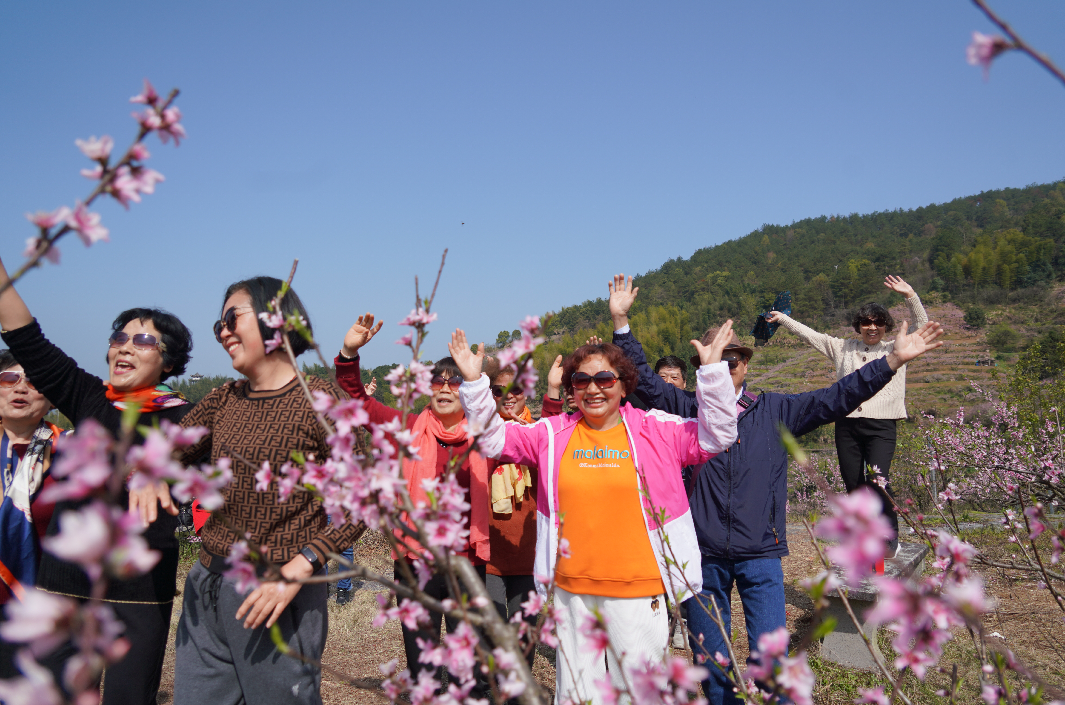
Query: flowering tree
[[369, 487]]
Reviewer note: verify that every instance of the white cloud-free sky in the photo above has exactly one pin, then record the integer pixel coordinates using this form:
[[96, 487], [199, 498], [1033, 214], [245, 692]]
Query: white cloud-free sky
[[547, 145]]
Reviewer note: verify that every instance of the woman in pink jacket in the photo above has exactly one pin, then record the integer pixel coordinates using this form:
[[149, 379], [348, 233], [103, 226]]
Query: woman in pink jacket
[[611, 501]]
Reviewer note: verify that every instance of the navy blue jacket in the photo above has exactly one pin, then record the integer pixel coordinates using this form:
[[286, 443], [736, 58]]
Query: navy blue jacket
[[740, 495]]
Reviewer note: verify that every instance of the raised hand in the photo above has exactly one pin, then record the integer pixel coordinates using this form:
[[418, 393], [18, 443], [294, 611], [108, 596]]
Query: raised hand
[[371, 387], [774, 316], [622, 296], [911, 345], [897, 284], [594, 340], [709, 354], [359, 334], [554, 379], [468, 362]]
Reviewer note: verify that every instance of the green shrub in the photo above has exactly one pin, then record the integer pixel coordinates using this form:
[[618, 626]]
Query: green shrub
[[1002, 338], [976, 317]]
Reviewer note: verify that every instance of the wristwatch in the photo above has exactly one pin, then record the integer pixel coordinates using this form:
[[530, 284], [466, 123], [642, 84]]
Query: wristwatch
[[310, 554]]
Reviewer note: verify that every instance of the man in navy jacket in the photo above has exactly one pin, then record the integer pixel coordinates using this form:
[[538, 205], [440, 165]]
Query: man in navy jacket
[[739, 499]]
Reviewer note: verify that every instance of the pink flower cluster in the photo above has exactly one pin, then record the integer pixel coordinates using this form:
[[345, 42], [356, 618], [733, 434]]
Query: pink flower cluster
[[922, 613], [125, 181], [525, 345], [670, 682], [860, 530], [776, 673]]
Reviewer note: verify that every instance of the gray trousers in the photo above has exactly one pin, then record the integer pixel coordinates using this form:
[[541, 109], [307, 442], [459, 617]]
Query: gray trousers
[[219, 662]]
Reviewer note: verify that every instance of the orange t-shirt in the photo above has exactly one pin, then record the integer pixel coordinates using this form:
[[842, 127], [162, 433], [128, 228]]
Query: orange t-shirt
[[603, 518]]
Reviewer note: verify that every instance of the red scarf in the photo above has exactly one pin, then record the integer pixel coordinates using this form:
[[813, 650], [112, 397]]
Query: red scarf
[[427, 430], [147, 398]]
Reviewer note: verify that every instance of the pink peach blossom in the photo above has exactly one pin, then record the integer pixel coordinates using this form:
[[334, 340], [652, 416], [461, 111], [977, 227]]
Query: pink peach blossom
[[46, 221], [96, 149], [148, 96], [87, 225]]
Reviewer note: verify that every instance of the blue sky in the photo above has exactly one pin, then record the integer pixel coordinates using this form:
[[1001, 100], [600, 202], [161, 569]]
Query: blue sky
[[573, 140]]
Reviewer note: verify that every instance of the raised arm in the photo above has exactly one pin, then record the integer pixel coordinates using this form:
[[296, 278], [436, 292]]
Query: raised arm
[[75, 392], [349, 377], [509, 442], [651, 389], [716, 398], [828, 345], [913, 301], [802, 413], [13, 310]]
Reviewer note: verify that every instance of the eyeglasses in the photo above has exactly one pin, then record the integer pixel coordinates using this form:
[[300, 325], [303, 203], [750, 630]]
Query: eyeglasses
[[872, 322], [10, 378], [437, 383], [498, 389], [603, 380], [228, 321], [141, 341], [732, 360]]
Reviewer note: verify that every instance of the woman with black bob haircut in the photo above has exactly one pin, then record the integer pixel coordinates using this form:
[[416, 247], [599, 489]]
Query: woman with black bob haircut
[[146, 346], [225, 649], [865, 440], [261, 291], [176, 340]]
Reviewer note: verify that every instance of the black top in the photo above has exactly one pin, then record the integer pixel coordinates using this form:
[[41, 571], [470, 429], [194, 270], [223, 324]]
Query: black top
[[79, 396]]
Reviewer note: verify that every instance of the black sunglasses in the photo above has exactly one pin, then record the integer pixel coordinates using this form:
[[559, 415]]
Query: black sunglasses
[[872, 322], [732, 360], [11, 378], [228, 321], [499, 389], [437, 383], [603, 380], [143, 341]]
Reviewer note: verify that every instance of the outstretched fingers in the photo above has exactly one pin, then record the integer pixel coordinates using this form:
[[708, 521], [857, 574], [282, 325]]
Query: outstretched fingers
[[468, 362]]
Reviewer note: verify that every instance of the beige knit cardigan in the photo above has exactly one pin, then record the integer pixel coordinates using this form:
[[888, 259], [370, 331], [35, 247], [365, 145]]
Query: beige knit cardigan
[[851, 353]]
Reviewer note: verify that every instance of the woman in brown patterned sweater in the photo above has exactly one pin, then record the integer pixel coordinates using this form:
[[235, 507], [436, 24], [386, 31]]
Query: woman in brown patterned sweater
[[224, 650]]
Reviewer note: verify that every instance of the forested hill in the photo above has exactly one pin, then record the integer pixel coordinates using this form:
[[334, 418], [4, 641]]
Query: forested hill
[[975, 249]]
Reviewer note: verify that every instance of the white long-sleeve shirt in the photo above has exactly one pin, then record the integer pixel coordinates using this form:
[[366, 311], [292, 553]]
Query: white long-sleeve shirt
[[848, 354]]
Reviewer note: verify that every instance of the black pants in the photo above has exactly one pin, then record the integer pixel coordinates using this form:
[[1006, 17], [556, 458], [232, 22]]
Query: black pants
[[437, 588], [135, 679], [508, 592], [861, 445]]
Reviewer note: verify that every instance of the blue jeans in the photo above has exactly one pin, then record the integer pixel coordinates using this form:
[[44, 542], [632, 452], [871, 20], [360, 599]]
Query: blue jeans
[[761, 585], [345, 583]]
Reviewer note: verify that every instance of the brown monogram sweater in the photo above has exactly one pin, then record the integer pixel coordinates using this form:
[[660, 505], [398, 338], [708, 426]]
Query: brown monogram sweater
[[266, 426]]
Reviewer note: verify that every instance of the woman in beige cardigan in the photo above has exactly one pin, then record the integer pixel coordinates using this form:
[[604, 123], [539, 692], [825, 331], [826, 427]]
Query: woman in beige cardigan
[[865, 440]]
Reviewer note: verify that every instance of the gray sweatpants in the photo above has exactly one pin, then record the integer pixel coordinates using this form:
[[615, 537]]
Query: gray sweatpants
[[219, 662]]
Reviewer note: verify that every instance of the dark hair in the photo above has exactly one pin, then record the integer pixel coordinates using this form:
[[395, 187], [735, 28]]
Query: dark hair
[[177, 338], [672, 361], [7, 360], [614, 356], [877, 313], [262, 290], [446, 368], [491, 367]]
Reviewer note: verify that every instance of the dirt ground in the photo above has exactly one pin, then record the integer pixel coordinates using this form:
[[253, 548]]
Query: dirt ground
[[1026, 619]]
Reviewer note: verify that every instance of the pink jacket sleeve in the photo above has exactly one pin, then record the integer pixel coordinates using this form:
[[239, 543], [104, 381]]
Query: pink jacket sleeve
[[509, 441]]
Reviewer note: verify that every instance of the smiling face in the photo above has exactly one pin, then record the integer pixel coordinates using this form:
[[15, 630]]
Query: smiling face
[[514, 402], [244, 343], [131, 367], [22, 404], [445, 403], [599, 406], [871, 333]]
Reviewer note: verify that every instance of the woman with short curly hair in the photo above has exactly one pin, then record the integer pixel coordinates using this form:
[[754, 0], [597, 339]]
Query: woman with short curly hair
[[145, 347], [865, 440], [609, 498]]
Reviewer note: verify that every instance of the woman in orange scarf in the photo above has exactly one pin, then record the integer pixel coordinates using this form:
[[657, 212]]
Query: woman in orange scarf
[[439, 434]]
